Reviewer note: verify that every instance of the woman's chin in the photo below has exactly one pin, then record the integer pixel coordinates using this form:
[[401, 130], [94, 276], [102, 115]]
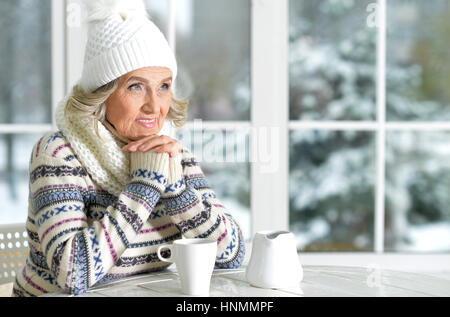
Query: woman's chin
[[143, 134]]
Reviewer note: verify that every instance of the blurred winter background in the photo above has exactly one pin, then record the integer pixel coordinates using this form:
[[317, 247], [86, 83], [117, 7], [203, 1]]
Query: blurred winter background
[[332, 75], [332, 66]]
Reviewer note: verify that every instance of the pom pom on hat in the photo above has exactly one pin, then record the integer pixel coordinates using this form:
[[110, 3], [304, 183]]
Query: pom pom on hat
[[99, 10]]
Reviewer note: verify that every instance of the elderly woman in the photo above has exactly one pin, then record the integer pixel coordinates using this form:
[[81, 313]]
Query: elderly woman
[[106, 189]]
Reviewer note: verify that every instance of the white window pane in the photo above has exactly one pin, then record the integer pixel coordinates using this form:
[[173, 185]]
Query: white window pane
[[25, 68], [213, 54], [332, 60], [331, 190], [417, 192], [418, 60]]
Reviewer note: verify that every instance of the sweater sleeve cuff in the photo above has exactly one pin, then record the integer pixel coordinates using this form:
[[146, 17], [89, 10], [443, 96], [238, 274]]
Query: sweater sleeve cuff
[[175, 182], [150, 167]]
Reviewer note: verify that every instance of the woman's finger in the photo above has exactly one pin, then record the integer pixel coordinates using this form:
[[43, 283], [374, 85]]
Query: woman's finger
[[133, 145], [159, 143], [147, 143], [173, 148], [151, 144]]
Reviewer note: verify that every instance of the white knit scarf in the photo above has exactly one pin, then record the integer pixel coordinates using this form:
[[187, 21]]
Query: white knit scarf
[[103, 157]]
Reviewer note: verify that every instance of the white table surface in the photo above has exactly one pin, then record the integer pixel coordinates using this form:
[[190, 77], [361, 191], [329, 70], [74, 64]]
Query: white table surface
[[317, 281]]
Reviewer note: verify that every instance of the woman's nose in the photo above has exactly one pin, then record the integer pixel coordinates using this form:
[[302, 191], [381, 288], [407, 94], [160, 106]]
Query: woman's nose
[[151, 104]]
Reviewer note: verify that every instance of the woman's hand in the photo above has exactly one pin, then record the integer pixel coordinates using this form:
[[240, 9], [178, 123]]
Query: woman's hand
[[159, 143]]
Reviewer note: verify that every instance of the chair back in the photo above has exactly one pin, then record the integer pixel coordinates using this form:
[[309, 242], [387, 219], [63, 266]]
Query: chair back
[[13, 251]]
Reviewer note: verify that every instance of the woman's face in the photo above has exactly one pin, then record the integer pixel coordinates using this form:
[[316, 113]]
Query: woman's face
[[139, 105]]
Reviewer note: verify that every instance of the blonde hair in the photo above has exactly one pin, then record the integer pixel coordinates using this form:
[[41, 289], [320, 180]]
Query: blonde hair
[[93, 105]]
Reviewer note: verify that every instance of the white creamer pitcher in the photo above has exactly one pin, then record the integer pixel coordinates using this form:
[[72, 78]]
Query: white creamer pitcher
[[274, 261]]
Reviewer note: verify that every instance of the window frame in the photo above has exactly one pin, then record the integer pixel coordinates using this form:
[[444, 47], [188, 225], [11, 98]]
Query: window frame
[[379, 127], [58, 73], [269, 204]]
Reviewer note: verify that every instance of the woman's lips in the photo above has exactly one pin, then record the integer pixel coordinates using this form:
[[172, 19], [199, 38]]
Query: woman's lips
[[146, 123]]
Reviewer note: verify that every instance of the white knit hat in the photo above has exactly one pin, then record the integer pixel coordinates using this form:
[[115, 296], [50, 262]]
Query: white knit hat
[[121, 38]]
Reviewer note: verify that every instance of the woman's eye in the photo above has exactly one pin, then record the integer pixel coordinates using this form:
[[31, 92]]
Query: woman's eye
[[138, 87], [135, 87]]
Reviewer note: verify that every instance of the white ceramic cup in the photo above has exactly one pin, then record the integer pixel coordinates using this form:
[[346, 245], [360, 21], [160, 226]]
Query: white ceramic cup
[[195, 259]]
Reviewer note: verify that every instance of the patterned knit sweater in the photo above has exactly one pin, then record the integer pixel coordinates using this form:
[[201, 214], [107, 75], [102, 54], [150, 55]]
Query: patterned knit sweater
[[80, 235]]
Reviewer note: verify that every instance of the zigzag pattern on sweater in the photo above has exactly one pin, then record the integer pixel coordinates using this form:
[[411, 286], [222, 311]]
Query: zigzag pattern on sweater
[[54, 196], [197, 181], [182, 202], [208, 232], [57, 171], [129, 215], [196, 221], [144, 192], [140, 259]]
